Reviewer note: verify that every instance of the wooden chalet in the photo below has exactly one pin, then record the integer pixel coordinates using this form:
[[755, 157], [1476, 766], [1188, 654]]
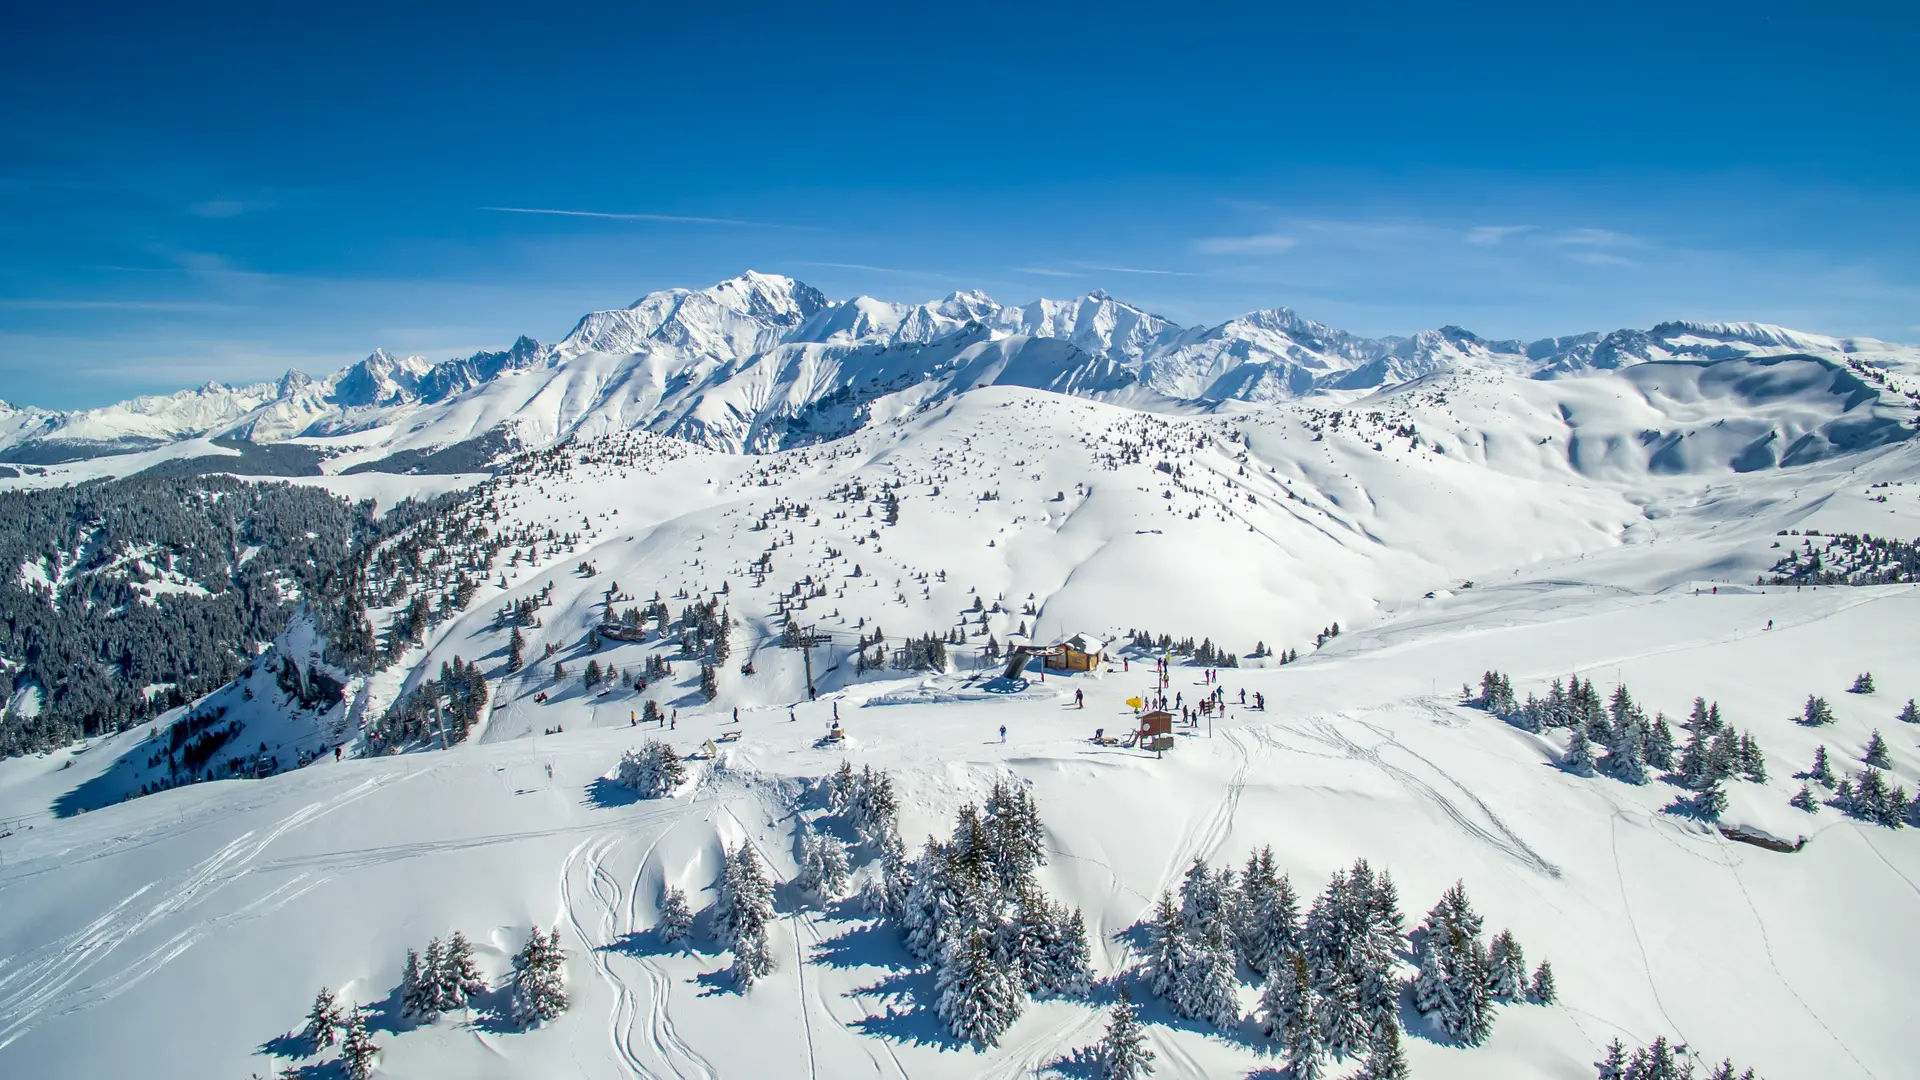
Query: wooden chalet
[[1081, 652]]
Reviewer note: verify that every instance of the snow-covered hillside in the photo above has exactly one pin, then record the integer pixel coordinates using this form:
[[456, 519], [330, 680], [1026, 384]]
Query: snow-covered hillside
[[975, 475], [765, 362]]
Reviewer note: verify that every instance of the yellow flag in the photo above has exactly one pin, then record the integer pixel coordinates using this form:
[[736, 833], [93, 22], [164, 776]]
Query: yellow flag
[[1134, 703]]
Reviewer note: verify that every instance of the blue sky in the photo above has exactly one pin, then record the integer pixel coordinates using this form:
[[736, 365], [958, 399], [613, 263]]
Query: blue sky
[[189, 192]]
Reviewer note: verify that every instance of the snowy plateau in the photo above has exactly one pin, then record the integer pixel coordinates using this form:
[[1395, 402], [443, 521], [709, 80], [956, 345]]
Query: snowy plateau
[[1715, 511]]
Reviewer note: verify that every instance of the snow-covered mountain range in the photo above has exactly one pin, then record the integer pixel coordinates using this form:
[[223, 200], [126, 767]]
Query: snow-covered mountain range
[[763, 362]]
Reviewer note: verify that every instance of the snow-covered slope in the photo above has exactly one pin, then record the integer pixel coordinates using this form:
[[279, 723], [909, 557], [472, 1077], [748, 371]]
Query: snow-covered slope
[[1606, 524], [764, 361]]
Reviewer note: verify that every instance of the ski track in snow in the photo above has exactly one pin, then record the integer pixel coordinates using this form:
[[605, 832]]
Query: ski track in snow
[[615, 919], [661, 1033], [1495, 833], [64, 976], [605, 892]]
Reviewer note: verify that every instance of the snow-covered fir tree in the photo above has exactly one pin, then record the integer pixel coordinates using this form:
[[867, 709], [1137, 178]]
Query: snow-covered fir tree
[[1578, 759], [1613, 1064], [1817, 712], [1753, 763], [1206, 987], [654, 771], [1626, 758], [823, 865], [1051, 950], [323, 1020], [1660, 744], [1266, 913], [1507, 967], [1910, 714], [1206, 898], [458, 980], [1016, 839], [1385, 1059], [1496, 695], [539, 979], [1695, 760], [867, 799], [1290, 1015], [743, 913], [979, 998], [933, 899], [358, 1051], [1822, 769], [1711, 802], [1454, 969], [1540, 990], [1169, 952], [1351, 938], [885, 893], [1862, 683], [675, 925], [419, 997], [1123, 1053], [1876, 753], [1804, 800]]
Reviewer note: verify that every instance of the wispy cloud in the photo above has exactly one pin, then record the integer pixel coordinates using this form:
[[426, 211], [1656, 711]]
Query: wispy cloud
[[1492, 234], [684, 219], [1258, 244], [1364, 231], [1134, 270], [1599, 258], [1595, 238], [37, 303], [1044, 272], [866, 267]]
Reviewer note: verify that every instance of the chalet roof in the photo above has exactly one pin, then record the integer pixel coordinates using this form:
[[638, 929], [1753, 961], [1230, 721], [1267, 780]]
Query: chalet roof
[[1085, 642]]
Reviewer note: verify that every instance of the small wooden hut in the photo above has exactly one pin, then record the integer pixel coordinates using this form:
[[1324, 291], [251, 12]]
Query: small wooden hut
[[1081, 652]]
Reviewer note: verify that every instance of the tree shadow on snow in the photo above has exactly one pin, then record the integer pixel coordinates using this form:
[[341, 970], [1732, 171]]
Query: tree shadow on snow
[[492, 1012], [1243, 1033], [385, 1015], [292, 1044], [1421, 1026], [868, 944], [916, 1026], [648, 942], [604, 794], [1080, 1063], [717, 982], [321, 1070]]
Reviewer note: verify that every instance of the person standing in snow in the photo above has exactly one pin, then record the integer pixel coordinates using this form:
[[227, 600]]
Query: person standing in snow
[[1079, 698], [1003, 733]]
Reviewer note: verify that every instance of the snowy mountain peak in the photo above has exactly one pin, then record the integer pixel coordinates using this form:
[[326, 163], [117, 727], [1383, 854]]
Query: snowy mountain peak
[[763, 360]]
